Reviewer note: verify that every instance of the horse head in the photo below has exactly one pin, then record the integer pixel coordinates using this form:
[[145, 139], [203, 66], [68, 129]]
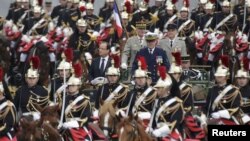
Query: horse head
[[107, 116], [131, 129]]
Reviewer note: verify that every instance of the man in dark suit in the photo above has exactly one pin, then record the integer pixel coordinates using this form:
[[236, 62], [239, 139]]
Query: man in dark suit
[[99, 65], [154, 56]]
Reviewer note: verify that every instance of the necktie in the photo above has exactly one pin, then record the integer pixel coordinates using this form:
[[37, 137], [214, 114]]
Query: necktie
[[102, 65], [171, 43], [150, 51]]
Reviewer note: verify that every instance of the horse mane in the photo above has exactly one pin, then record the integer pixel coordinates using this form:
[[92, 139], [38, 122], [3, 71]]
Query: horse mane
[[108, 107]]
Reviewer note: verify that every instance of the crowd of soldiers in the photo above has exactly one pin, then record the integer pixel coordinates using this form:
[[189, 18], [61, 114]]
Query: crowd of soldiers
[[157, 47]]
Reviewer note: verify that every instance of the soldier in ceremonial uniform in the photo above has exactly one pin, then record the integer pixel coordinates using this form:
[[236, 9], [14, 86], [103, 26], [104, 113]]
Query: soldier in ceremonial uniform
[[37, 25], [225, 21], [77, 105], [20, 15], [242, 79], [80, 40], [15, 6], [188, 73], [192, 130], [107, 10], [224, 100], [198, 12], [8, 115], [143, 95], [92, 20], [58, 9], [207, 18], [144, 15], [65, 65], [168, 113], [157, 7], [113, 89], [73, 14], [30, 94], [133, 45], [239, 11], [154, 56]]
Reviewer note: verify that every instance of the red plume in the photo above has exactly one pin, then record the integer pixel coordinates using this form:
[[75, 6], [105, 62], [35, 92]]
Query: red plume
[[35, 62], [82, 8], [146, 1], [1, 74], [225, 60], [246, 63], [174, 1], [117, 61], [143, 62], [177, 56], [212, 1], [78, 70], [162, 72], [186, 3], [69, 54], [128, 7]]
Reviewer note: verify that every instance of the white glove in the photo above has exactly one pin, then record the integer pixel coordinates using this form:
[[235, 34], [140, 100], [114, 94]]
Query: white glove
[[52, 57], [23, 57], [203, 119], [144, 115], [124, 66], [71, 124], [245, 119], [215, 115], [224, 114], [99, 80], [36, 116], [149, 130], [199, 55], [95, 113], [162, 131], [59, 90], [121, 113]]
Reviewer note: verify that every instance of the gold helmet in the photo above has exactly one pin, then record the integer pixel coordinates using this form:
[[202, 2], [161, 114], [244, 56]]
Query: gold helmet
[[75, 79], [244, 71], [114, 69], [223, 70], [67, 57], [33, 71], [226, 3], [164, 81], [37, 9], [176, 63], [81, 22], [142, 67]]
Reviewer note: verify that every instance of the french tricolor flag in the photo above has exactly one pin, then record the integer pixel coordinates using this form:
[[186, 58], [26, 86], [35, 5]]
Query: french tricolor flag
[[118, 23]]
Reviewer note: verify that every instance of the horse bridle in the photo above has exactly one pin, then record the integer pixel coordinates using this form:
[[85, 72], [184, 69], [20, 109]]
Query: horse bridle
[[134, 133], [111, 130]]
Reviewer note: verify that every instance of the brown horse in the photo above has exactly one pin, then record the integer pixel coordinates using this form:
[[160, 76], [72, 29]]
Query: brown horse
[[107, 118], [35, 131], [50, 115], [131, 129]]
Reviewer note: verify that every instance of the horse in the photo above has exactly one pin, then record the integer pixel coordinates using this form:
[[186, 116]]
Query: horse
[[50, 115], [131, 129], [107, 118], [37, 131]]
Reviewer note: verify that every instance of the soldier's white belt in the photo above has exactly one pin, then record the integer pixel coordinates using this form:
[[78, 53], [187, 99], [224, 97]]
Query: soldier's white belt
[[164, 106], [73, 119], [142, 97], [219, 97], [112, 95]]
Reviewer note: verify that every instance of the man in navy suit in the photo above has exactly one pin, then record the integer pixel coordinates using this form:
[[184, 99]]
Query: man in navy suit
[[153, 55], [100, 64]]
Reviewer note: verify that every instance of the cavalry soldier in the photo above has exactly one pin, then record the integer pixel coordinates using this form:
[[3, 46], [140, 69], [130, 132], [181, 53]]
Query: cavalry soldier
[[63, 15], [207, 18], [239, 11], [8, 115], [133, 45], [37, 25], [113, 89], [193, 131], [107, 10], [58, 9], [77, 105], [154, 56], [64, 66], [143, 95], [169, 16], [14, 7], [242, 79], [30, 95], [92, 20], [198, 12], [224, 100], [81, 39], [225, 21], [73, 14], [246, 28], [20, 15], [157, 7], [168, 113], [144, 15]]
